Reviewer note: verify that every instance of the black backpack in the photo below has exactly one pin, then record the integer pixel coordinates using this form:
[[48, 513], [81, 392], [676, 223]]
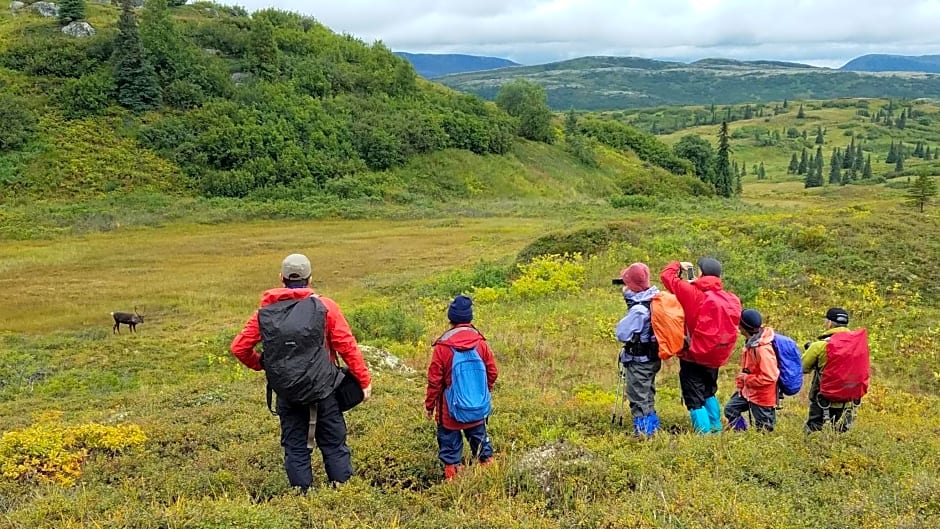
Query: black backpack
[[296, 361]]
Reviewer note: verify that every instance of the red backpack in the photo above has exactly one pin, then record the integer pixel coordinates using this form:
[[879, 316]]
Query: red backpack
[[716, 331], [848, 367]]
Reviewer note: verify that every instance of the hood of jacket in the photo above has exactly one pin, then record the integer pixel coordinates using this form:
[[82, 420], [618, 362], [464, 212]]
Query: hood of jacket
[[706, 283], [465, 336], [276, 295], [640, 297]]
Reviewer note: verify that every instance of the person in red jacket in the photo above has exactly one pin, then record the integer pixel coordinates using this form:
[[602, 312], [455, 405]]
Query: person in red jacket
[[461, 336], [698, 371], [325, 417], [757, 381]]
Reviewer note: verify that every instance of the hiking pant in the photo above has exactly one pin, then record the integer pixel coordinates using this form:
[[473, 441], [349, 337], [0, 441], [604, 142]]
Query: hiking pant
[[816, 419], [641, 386], [698, 383], [329, 436], [450, 444], [764, 417]]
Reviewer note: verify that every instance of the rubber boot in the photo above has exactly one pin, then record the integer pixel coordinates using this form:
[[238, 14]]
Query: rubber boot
[[639, 425], [714, 414], [652, 424], [700, 420], [739, 424], [450, 471]]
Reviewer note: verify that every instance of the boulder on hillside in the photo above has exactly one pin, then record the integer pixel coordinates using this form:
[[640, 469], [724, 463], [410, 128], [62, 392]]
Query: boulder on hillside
[[16, 5], [382, 360], [549, 465], [79, 29], [45, 9], [241, 77]]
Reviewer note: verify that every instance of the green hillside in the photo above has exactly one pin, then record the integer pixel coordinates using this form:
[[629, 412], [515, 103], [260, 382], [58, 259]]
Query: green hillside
[[773, 134], [602, 83], [272, 109]]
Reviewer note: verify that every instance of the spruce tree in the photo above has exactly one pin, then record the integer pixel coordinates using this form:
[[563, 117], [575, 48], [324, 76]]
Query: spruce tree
[[859, 158], [571, 123], [892, 154], [761, 173], [800, 114], [135, 82], [819, 164], [848, 159], [835, 168], [263, 55], [819, 136], [794, 165], [922, 191], [71, 10], [899, 165], [927, 154], [786, 104], [724, 181], [804, 163], [867, 173], [902, 121]]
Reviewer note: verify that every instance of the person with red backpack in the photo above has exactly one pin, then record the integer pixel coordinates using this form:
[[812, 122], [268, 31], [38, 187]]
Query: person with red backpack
[[460, 378], [711, 317], [757, 381], [840, 363], [639, 357], [301, 333]]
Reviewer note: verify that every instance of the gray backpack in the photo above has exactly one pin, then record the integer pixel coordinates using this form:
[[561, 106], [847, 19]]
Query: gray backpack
[[295, 358]]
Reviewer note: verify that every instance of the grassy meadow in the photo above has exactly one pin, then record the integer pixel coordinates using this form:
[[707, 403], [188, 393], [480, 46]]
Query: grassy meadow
[[163, 429]]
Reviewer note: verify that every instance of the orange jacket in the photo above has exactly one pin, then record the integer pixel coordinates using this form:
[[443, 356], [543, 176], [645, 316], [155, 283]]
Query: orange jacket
[[757, 381], [339, 338], [439, 372]]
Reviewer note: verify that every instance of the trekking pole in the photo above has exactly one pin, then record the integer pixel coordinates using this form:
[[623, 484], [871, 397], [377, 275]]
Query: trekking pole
[[617, 409]]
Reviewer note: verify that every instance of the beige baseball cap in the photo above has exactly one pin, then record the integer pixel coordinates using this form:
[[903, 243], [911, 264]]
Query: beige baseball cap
[[296, 267]]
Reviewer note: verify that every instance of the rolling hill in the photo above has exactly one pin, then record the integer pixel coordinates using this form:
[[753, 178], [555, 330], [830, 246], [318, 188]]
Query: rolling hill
[[596, 83], [894, 63], [430, 65]]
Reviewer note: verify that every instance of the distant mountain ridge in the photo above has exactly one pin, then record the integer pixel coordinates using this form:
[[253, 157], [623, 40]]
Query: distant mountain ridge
[[430, 65], [609, 83], [878, 62]]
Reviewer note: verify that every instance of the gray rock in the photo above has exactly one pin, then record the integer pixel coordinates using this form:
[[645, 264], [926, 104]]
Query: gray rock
[[382, 360], [16, 5], [550, 464], [45, 9], [240, 77], [79, 29], [211, 51]]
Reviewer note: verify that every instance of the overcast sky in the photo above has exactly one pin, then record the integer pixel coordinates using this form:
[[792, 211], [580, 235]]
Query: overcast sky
[[820, 32]]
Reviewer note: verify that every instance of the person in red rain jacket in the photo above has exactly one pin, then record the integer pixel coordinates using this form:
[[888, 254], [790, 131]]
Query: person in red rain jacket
[[295, 419], [462, 335], [757, 381], [698, 382]]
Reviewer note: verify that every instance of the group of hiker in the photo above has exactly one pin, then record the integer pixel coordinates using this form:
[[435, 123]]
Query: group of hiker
[[698, 321], [304, 335]]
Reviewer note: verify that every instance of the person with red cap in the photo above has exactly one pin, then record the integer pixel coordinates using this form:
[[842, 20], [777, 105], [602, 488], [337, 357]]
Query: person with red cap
[[639, 356]]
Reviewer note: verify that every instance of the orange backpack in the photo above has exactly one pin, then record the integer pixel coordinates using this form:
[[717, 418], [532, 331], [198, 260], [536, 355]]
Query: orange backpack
[[668, 321]]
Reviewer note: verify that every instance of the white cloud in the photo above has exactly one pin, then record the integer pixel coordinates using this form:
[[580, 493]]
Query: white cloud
[[823, 32]]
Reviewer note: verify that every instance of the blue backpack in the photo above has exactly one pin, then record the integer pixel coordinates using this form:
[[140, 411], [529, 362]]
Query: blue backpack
[[468, 397], [790, 363]]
